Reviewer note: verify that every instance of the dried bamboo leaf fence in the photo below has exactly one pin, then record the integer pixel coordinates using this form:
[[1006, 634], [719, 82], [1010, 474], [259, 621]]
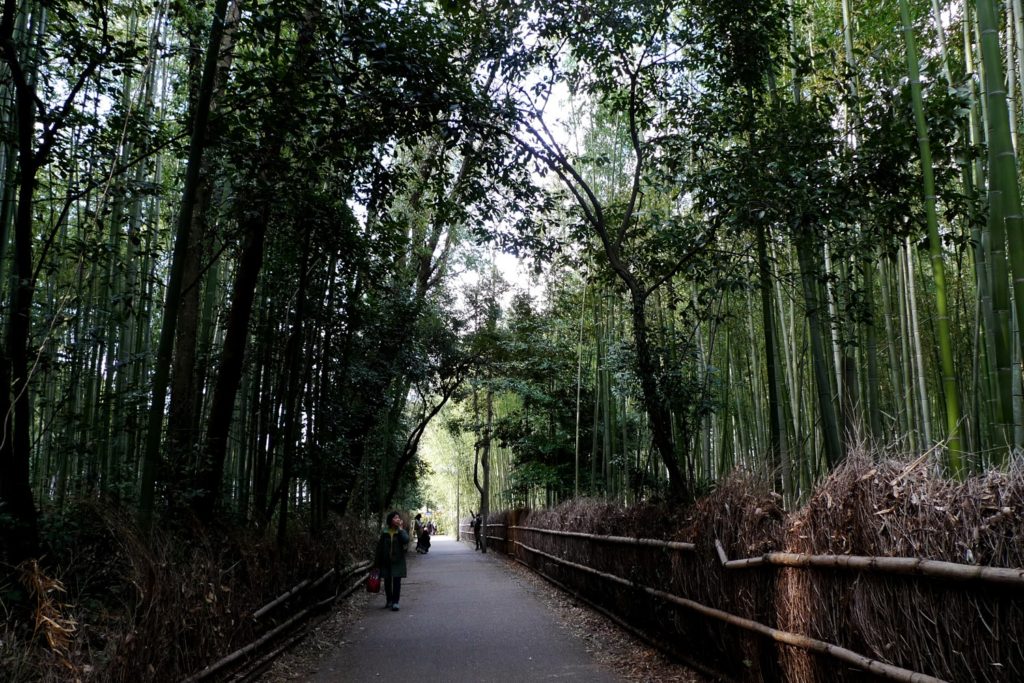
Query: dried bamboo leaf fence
[[907, 566]]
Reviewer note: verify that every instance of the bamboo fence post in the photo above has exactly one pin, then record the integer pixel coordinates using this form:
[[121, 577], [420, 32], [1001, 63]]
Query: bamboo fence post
[[238, 654]]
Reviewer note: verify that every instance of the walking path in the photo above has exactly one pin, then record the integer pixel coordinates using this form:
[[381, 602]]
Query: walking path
[[463, 618]]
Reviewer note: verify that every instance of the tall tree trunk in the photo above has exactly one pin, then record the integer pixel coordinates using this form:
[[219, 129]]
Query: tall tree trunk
[[161, 374], [806, 251], [485, 465], [778, 459], [949, 388], [20, 537], [256, 213], [1004, 191], [914, 336], [654, 401], [182, 408], [579, 389], [210, 472], [293, 384]]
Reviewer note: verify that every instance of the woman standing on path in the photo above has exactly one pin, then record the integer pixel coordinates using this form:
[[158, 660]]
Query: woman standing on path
[[390, 558]]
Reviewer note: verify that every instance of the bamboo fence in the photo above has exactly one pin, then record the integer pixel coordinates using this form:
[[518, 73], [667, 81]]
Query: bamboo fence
[[807, 616]]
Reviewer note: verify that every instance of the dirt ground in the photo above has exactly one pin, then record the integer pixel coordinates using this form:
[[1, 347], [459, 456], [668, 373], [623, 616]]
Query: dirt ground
[[609, 644]]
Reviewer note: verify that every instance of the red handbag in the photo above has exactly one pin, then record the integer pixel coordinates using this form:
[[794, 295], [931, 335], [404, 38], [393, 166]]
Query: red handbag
[[373, 582]]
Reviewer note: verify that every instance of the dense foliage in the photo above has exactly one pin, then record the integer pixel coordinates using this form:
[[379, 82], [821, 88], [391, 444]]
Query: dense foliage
[[754, 256], [248, 273]]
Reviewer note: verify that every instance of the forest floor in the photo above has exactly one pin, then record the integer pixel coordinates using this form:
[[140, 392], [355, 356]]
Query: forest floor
[[615, 649]]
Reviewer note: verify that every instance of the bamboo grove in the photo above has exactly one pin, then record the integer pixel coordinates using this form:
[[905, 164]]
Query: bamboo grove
[[227, 232], [238, 243], [811, 212]]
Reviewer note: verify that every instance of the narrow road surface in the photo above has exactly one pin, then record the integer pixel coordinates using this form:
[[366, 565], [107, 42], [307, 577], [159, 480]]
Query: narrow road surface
[[463, 618]]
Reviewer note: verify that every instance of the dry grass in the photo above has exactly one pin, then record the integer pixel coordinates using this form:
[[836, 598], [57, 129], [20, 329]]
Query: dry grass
[[749, 520], [161, 610], [953, 631]]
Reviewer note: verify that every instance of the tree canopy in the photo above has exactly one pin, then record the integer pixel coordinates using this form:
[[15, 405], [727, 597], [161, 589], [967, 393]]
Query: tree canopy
[[247, 251]]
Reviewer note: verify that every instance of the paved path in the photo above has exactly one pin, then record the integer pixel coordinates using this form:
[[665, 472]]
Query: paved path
[[463, 618]]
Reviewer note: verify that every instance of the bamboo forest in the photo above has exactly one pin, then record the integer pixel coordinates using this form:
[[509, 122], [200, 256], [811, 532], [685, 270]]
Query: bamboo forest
[[742, 278]]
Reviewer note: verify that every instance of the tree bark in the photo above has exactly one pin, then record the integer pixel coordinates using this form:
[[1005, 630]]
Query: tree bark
[[254, 221], [222, 407], [21, 535], [197, 146], [657, 409]]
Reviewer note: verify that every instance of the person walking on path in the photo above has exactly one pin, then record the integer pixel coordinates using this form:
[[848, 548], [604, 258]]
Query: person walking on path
[[478, 522], [422, 536], [390, 558], [417, 528]]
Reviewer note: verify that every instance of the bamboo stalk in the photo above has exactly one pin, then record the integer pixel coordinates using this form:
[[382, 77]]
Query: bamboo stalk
[[318, 582], [260, 666], [154, 431], [1011, 82], [945, 341], [281, 598], [626, 540], [803, 642], [1004, 192], [883, 565], [579, 385], [917, 359]]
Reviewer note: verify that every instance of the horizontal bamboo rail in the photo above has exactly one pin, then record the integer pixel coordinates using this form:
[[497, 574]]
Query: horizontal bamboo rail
[[251, 647], [329, 574], [874, 666], [297, 618], [254, 669], [625, 540], [284, 596], [469, 532], [914, 566]]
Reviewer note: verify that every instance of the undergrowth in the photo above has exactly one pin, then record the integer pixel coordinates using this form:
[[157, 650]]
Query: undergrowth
[[106, 605]]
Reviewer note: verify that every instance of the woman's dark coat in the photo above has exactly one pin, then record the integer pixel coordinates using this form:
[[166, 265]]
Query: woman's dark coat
[[390, 555]]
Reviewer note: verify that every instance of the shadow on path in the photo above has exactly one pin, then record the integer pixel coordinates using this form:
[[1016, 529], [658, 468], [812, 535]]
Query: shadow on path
[[463, 618]]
